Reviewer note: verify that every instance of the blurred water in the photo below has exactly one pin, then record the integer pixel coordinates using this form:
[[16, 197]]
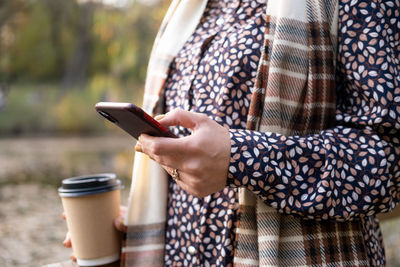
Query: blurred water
[[49, 159]]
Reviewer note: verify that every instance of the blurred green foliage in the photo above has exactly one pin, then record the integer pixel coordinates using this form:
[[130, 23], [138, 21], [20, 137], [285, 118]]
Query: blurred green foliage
[[60, 57], [39, 37]]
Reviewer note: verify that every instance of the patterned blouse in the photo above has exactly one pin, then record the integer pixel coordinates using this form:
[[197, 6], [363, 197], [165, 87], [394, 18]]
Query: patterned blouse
[[214, 74]]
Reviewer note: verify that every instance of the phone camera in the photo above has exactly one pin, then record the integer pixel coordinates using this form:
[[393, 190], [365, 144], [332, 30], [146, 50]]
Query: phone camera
[[107, 116]]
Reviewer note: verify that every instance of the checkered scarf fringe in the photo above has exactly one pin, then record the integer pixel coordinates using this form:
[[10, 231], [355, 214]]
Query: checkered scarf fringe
[[294, 95]]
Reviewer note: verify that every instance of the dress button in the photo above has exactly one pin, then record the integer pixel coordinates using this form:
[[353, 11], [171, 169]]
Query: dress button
[[192, 250]]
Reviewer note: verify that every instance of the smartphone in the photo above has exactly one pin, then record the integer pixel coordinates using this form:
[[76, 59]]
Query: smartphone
[[132, 119]]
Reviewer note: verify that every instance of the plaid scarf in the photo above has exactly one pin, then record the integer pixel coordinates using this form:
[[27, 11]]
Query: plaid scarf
[[294, 100], [288, 98]]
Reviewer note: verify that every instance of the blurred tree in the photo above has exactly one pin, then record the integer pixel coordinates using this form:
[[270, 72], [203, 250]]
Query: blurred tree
[[32, 50], [131, 37], [55, 40], [41, 41], [77, 67], [8, 9], [3, 94], [56, 10], [102, 49]]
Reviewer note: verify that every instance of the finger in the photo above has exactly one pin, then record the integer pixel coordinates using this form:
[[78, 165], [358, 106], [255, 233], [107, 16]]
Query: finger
[[181, 180], [67, 241], [119, 224], [170, 170], [123, 210], [159, 117], [72, 257], [162, 146], [138, 147], [183, 118]]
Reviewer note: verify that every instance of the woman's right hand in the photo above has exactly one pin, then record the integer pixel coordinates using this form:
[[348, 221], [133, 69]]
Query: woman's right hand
[[118, 223]]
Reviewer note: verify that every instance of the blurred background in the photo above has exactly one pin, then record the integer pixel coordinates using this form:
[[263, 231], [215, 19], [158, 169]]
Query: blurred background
[[57, 59]]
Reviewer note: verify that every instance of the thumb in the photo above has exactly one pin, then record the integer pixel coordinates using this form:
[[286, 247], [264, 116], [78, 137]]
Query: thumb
[[187, 119], [119, 224]]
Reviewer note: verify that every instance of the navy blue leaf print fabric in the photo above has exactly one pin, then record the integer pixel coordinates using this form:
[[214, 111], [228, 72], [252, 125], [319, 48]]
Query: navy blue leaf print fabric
[[212, 74]]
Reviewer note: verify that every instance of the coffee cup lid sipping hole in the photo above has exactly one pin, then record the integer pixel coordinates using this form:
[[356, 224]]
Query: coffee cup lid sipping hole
[[89, 185]]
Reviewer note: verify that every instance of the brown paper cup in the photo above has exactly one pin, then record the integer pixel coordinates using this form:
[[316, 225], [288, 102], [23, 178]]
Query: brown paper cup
[[91, 203]]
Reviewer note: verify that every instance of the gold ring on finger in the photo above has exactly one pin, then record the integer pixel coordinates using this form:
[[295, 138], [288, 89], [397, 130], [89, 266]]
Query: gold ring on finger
[[175, 175]]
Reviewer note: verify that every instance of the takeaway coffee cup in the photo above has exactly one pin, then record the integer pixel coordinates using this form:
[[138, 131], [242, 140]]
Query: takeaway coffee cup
[[91, 203]]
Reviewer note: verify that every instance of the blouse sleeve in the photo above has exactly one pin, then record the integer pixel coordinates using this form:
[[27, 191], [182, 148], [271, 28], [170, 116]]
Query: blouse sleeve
[[353, 169]]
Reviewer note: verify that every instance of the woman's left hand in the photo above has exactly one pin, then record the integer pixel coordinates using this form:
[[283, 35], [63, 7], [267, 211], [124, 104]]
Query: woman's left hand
[[201, 159]]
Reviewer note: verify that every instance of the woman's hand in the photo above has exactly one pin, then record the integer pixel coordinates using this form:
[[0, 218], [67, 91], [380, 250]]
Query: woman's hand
[[118, 223], [201, 159]]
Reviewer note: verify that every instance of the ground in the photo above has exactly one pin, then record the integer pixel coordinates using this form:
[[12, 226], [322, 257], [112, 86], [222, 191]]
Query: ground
[[31, 226], [31, 170]]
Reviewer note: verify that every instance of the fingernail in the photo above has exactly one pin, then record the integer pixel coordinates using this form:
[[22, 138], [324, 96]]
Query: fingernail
[[138, 147], [139, 138], [73, 258], [117, 222], [159, 117]]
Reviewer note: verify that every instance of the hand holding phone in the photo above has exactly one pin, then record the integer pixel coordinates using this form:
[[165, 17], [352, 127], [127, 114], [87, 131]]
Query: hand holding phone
[[132, 119]]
